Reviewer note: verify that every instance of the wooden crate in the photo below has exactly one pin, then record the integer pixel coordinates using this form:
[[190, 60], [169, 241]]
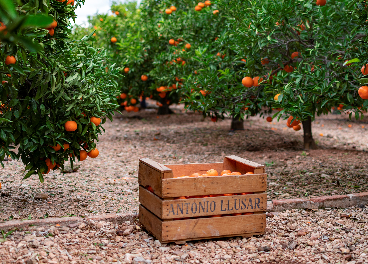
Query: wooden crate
[[170, 218]]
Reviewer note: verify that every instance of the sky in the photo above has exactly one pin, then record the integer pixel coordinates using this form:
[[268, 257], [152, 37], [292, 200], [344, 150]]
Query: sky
[[92, 7]]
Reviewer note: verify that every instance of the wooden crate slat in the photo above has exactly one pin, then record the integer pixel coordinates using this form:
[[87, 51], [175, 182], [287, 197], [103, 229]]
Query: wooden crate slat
[[155, 165], [235, 163], [213, 185], [150, 177], [189, 169], [199, 207], [152, 224], [202, 228]]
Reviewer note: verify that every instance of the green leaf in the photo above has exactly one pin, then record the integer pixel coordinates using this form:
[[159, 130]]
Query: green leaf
[[28, 174], [42, 21], [351, 61], [40, 176], [29, 44], [4, 120], [8, 7]]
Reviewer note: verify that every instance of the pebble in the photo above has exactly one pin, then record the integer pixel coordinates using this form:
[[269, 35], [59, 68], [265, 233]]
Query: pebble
[[41, 196], [157, 243]]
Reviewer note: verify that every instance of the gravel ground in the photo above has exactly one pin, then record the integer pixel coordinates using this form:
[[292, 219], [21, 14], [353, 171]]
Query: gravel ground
[[108, 184], [296, 236]]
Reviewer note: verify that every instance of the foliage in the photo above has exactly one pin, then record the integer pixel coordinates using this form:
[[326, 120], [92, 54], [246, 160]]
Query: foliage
[[64, 80]]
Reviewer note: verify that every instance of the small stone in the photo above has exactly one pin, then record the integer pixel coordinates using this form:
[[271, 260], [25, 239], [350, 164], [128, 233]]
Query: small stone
[[345, 250], [184, 256], [127, 231], [100, 224], [34, 244], [139, 260], [264, 248], [348, 257], [119, 232], [41, 196], [292, 245], [30, 261], [222, 244], [271, 215], [157, 243], [129, 257], [164, 248], [301, 233], [345, 215], [82, 225], [178, 253]]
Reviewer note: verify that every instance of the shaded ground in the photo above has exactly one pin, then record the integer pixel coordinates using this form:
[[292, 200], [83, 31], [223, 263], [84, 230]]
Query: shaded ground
[[108, 184]]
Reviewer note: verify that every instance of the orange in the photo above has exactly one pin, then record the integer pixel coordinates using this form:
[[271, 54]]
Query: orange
[[95, 120], [195, 175], [225, 172], [256, 81], [101, 19], [65, 146], [201, 5], [247, 82], [49, 164], [364, 69], [295, 54], [10, 60], [269, 119], [2, 26], [161, 89], [215, 12], [173, 8], [51, 32], [321, 135], [133, 101], [135, 109], [181, 197], [349, 125], [117, 13], [149, 188], [198, 8], [207, 3], [188, 46], [214, 119], [228, 194], [297, 128], [288, 68], [265, 61], [126, 70], [363, 92], [168, 11], [321, 2], [93, 153], [295, 122], [57, 147], [171, 42], [113, 40], [144, 78], [276, 97], [212, 172], [52, 25], [236, 173], [82, 155], [123, 96], [71, 126], [162, 95], [70, 2], [203, 92]]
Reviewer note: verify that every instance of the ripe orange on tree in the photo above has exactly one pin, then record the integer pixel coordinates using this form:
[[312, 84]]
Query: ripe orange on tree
[[93, 153], [198, 8], [215, 12], [70, 126], [95, 120], [288, 68], [363, 92], [295, 54], [188, 46], [207, 3], [144, 78], [294, 123], [265, 61], [126, 69], [133, 101], [10, 60], [57, 147], [200, 4], [256, 81], [321, 2], [297, 127], [171, 41], [65, 146], [168, 11], [269, 119], [364, 69], [82, 155], [113, 40], [247, 82], [123, 96], [173, 8]]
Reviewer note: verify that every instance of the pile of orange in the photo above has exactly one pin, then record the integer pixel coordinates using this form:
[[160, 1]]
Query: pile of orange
[[213, 172]]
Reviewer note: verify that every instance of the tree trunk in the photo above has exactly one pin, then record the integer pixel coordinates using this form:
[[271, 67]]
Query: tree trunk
[[164, 109], [237, 123], [308, 138], [143, 103]]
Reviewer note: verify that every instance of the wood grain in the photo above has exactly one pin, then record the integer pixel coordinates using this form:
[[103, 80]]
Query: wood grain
[[202, 228], [235, 163], [178, 187], [198, 207], [148, 176]]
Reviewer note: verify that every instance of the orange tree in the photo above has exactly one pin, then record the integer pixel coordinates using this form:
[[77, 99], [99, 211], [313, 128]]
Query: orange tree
[[293, 56], [53, 96]]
